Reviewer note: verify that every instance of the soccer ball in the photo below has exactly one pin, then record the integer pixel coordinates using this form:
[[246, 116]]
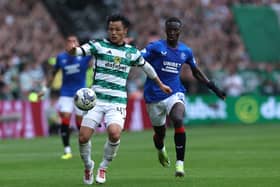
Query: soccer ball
[[85, 99]]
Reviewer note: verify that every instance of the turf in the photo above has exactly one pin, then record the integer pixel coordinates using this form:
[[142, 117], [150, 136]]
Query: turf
[[217, 156]]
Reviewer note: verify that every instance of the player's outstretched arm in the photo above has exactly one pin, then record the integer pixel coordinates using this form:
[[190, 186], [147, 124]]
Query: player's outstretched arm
[[151, 73], [220, 93], [199, 75], [79, 50], [47, 84]]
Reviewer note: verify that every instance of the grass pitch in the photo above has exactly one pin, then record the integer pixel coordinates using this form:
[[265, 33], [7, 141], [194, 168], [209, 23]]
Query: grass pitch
[[217, 156]]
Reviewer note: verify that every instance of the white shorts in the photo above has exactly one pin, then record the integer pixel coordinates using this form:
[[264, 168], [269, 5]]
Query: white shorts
[[110, 112], [158, 111], [66, 104]]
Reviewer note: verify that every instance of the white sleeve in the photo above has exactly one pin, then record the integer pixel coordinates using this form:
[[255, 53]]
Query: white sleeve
[[149, 70], [83, 50]]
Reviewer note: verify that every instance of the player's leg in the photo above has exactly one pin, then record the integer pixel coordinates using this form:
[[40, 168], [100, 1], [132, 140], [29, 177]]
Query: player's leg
[[65, 107], [89, 123], [157, 115], [85, 134], [78, 117], [177, 115], [115, 122], [158, 138], [65, 134]]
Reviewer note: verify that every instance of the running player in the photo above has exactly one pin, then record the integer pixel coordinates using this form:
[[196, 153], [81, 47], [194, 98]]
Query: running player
[[73, 78], [167, 58], [114, 59]]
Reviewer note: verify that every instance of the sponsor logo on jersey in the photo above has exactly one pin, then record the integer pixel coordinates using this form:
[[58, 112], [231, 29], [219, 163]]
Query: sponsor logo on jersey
[[71, 69], [171, 67], [117, 59], [116, 66]]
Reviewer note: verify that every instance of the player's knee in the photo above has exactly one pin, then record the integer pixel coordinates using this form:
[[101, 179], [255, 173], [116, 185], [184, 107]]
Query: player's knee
[[177, 121], [114, 136], [114, 132], [83, 138]]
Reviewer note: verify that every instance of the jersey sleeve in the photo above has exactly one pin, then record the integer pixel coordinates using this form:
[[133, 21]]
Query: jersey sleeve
[[87, 49], [148, 52], [139, 59]]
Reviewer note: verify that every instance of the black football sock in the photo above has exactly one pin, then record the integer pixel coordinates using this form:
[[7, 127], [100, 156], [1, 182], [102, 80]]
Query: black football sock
[[180, 143], [65, 134], [159, 137]]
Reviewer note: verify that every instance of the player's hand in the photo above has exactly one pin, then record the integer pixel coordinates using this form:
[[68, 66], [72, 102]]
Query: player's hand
[[220, 93], [71, 49], [40, 95], [42, 92], [166, 89]]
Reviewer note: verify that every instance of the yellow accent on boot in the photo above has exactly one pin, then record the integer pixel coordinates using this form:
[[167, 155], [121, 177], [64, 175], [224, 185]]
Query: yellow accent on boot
[[179, 171], [163, 158], [66, 156]]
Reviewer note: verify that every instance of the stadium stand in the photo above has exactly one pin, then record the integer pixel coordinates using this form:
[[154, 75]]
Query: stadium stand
[[81, 17], [32, 32]]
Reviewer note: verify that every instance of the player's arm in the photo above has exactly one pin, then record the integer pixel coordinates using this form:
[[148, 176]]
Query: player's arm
[[199, 75], [48, 82], [151, 73], [83, 50]]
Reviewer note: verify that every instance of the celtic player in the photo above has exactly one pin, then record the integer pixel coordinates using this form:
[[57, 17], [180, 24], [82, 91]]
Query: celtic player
[[114, 59]]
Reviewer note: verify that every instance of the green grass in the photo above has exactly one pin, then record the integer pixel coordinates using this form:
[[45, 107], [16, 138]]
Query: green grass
[[217, 156]]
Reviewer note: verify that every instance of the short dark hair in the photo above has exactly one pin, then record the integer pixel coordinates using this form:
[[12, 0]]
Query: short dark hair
[[173, 19], [118, 17]]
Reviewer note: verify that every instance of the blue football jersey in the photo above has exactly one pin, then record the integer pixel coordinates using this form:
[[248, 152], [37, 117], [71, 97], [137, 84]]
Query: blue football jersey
[[167, 62], [74, 70]]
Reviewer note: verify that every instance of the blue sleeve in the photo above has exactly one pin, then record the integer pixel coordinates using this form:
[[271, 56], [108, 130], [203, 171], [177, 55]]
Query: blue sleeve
[[149, 53]]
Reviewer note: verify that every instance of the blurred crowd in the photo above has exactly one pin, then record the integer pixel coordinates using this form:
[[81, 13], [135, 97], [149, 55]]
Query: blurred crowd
[[29, 37], [210, 30]]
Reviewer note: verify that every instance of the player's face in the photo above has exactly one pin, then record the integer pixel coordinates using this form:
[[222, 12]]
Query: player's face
[[116, 32], [71, 42], [173, 30]]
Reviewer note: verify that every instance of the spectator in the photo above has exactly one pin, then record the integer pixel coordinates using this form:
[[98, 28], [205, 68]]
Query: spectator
[[233, 83]]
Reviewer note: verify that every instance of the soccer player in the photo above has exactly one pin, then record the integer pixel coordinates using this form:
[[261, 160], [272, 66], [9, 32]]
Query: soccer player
[[114, 59], [167, 58], [73, 78]]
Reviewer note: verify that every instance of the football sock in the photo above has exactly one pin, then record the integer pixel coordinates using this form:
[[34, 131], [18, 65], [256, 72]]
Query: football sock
[[67, 149], [65, 134], [85, 153], [159, 137], [180, 143], [110, 151]]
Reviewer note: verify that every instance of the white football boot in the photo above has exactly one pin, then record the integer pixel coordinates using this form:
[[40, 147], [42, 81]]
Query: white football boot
[[88, 176], [101, 175]]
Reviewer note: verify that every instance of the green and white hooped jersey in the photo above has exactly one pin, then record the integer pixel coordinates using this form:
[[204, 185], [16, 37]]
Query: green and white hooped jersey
[[112, 66]]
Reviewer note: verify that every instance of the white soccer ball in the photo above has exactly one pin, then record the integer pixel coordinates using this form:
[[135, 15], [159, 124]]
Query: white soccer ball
[[85, 99]]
